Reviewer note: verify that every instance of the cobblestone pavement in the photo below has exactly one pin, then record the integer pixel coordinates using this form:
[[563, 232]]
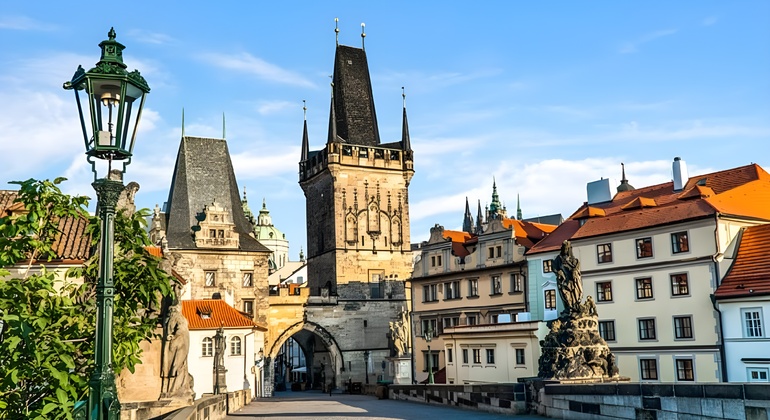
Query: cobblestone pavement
[[315, 405]]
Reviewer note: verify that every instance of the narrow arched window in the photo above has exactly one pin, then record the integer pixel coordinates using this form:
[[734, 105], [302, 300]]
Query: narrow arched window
[[208, 347], [235, 346]]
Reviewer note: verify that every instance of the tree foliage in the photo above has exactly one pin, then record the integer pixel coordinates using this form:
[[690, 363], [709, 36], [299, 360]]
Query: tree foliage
[[48, 322]]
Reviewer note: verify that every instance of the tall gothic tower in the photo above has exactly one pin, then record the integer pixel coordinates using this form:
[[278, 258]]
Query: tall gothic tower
[[356, 190]]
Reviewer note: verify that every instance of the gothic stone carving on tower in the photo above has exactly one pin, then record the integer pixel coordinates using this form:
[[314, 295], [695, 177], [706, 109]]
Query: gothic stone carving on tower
[[573, 349]]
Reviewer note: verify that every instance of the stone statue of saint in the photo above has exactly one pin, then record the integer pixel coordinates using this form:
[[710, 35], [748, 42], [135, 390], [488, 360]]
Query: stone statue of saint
[[567, 269], [399, 333], [219, 350], [176, 344]]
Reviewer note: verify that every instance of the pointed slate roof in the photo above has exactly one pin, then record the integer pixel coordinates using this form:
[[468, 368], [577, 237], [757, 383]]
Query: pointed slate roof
[[406, 143], [468, 218], [204, 174], [353, 102]]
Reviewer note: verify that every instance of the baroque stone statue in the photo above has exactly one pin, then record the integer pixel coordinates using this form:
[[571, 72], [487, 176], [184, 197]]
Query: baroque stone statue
[[567, 270], [573, 348], [399, 333]]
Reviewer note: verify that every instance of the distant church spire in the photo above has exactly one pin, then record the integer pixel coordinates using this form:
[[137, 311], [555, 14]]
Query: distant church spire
[[495, 207], [468, 219], [305, 142], [479, 221], [518, 207], [624, 185], [406, 143]]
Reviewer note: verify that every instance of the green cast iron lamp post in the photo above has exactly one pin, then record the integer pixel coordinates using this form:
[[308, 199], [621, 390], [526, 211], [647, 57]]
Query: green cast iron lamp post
[[113, 118], [428, 338]]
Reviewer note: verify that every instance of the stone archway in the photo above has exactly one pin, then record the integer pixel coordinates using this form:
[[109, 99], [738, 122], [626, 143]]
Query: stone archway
[[302, 331]]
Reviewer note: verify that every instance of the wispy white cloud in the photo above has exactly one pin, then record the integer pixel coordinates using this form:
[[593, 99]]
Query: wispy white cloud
[[709, 21], [420, 81], [633, 46], [24, 23], [255, 165], [273, 107], [149, 37], [249, 64]]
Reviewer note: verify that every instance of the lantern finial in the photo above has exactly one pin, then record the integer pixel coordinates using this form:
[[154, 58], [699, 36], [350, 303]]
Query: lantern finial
[[111, 34]]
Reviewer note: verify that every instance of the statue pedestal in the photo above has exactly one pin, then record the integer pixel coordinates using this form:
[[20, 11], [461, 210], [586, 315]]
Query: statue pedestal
[[401, 370], [574, 350]]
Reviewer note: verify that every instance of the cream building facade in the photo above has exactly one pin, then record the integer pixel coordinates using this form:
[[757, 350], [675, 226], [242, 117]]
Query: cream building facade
[[649, 260], [471, 278]]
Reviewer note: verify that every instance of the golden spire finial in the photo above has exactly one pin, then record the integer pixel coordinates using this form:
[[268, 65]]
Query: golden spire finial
[[363, 36], [304, 108], [337, 30]]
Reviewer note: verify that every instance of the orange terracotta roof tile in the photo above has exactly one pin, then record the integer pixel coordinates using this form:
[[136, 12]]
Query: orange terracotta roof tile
[[456, 235], [750, 273], [697, 191], [639, 203], [155, 251], [739, 191], [209, 314], [588, 211]]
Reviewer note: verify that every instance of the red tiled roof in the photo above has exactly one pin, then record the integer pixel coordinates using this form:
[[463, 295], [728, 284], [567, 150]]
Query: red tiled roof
[[589, 211], [553, 241], [742, 191], [209, 314], [71, 243], [458, 238], [528, 233], [750, 273]]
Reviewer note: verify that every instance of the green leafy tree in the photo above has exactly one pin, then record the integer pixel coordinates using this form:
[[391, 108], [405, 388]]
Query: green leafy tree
[[48, 322]]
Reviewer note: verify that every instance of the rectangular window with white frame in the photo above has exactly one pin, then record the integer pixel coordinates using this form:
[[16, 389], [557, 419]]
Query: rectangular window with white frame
[[547, 266], [430, 293], [490, 356], [607, 330], [473, 287], [476, 356], [680, 286], [452, 290], [604, 291], [449, 355], [520, 357], [465, 356], [550, 299], [644, 247], [683, 327], [647, 329], [471, 319], [679, 243], [755, 374], [752, 322], [685, 370], [644, 288], [497, 285], [517, 282], [648, 369], [604, 253]]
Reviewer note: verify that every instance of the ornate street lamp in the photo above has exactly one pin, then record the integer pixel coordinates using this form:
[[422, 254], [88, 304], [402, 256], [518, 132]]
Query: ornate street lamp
[[111, 92], [428, 338]]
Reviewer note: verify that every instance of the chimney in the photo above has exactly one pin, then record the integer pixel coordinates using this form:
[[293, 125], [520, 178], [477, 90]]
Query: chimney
[[599, 191], [680, 174]]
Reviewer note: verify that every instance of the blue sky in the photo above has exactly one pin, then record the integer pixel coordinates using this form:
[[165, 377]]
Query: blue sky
[[544, 97]]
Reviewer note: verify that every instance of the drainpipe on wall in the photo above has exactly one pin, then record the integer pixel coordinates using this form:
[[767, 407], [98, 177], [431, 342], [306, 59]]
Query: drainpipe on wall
[[717, 280]]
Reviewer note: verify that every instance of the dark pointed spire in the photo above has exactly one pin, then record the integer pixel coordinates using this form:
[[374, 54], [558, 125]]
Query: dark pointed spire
[[333, 138], [495, 207], [353, 115], [624, 185], [305, 143], [518, 208], [468, 219], [479, 221], [406, 143]]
